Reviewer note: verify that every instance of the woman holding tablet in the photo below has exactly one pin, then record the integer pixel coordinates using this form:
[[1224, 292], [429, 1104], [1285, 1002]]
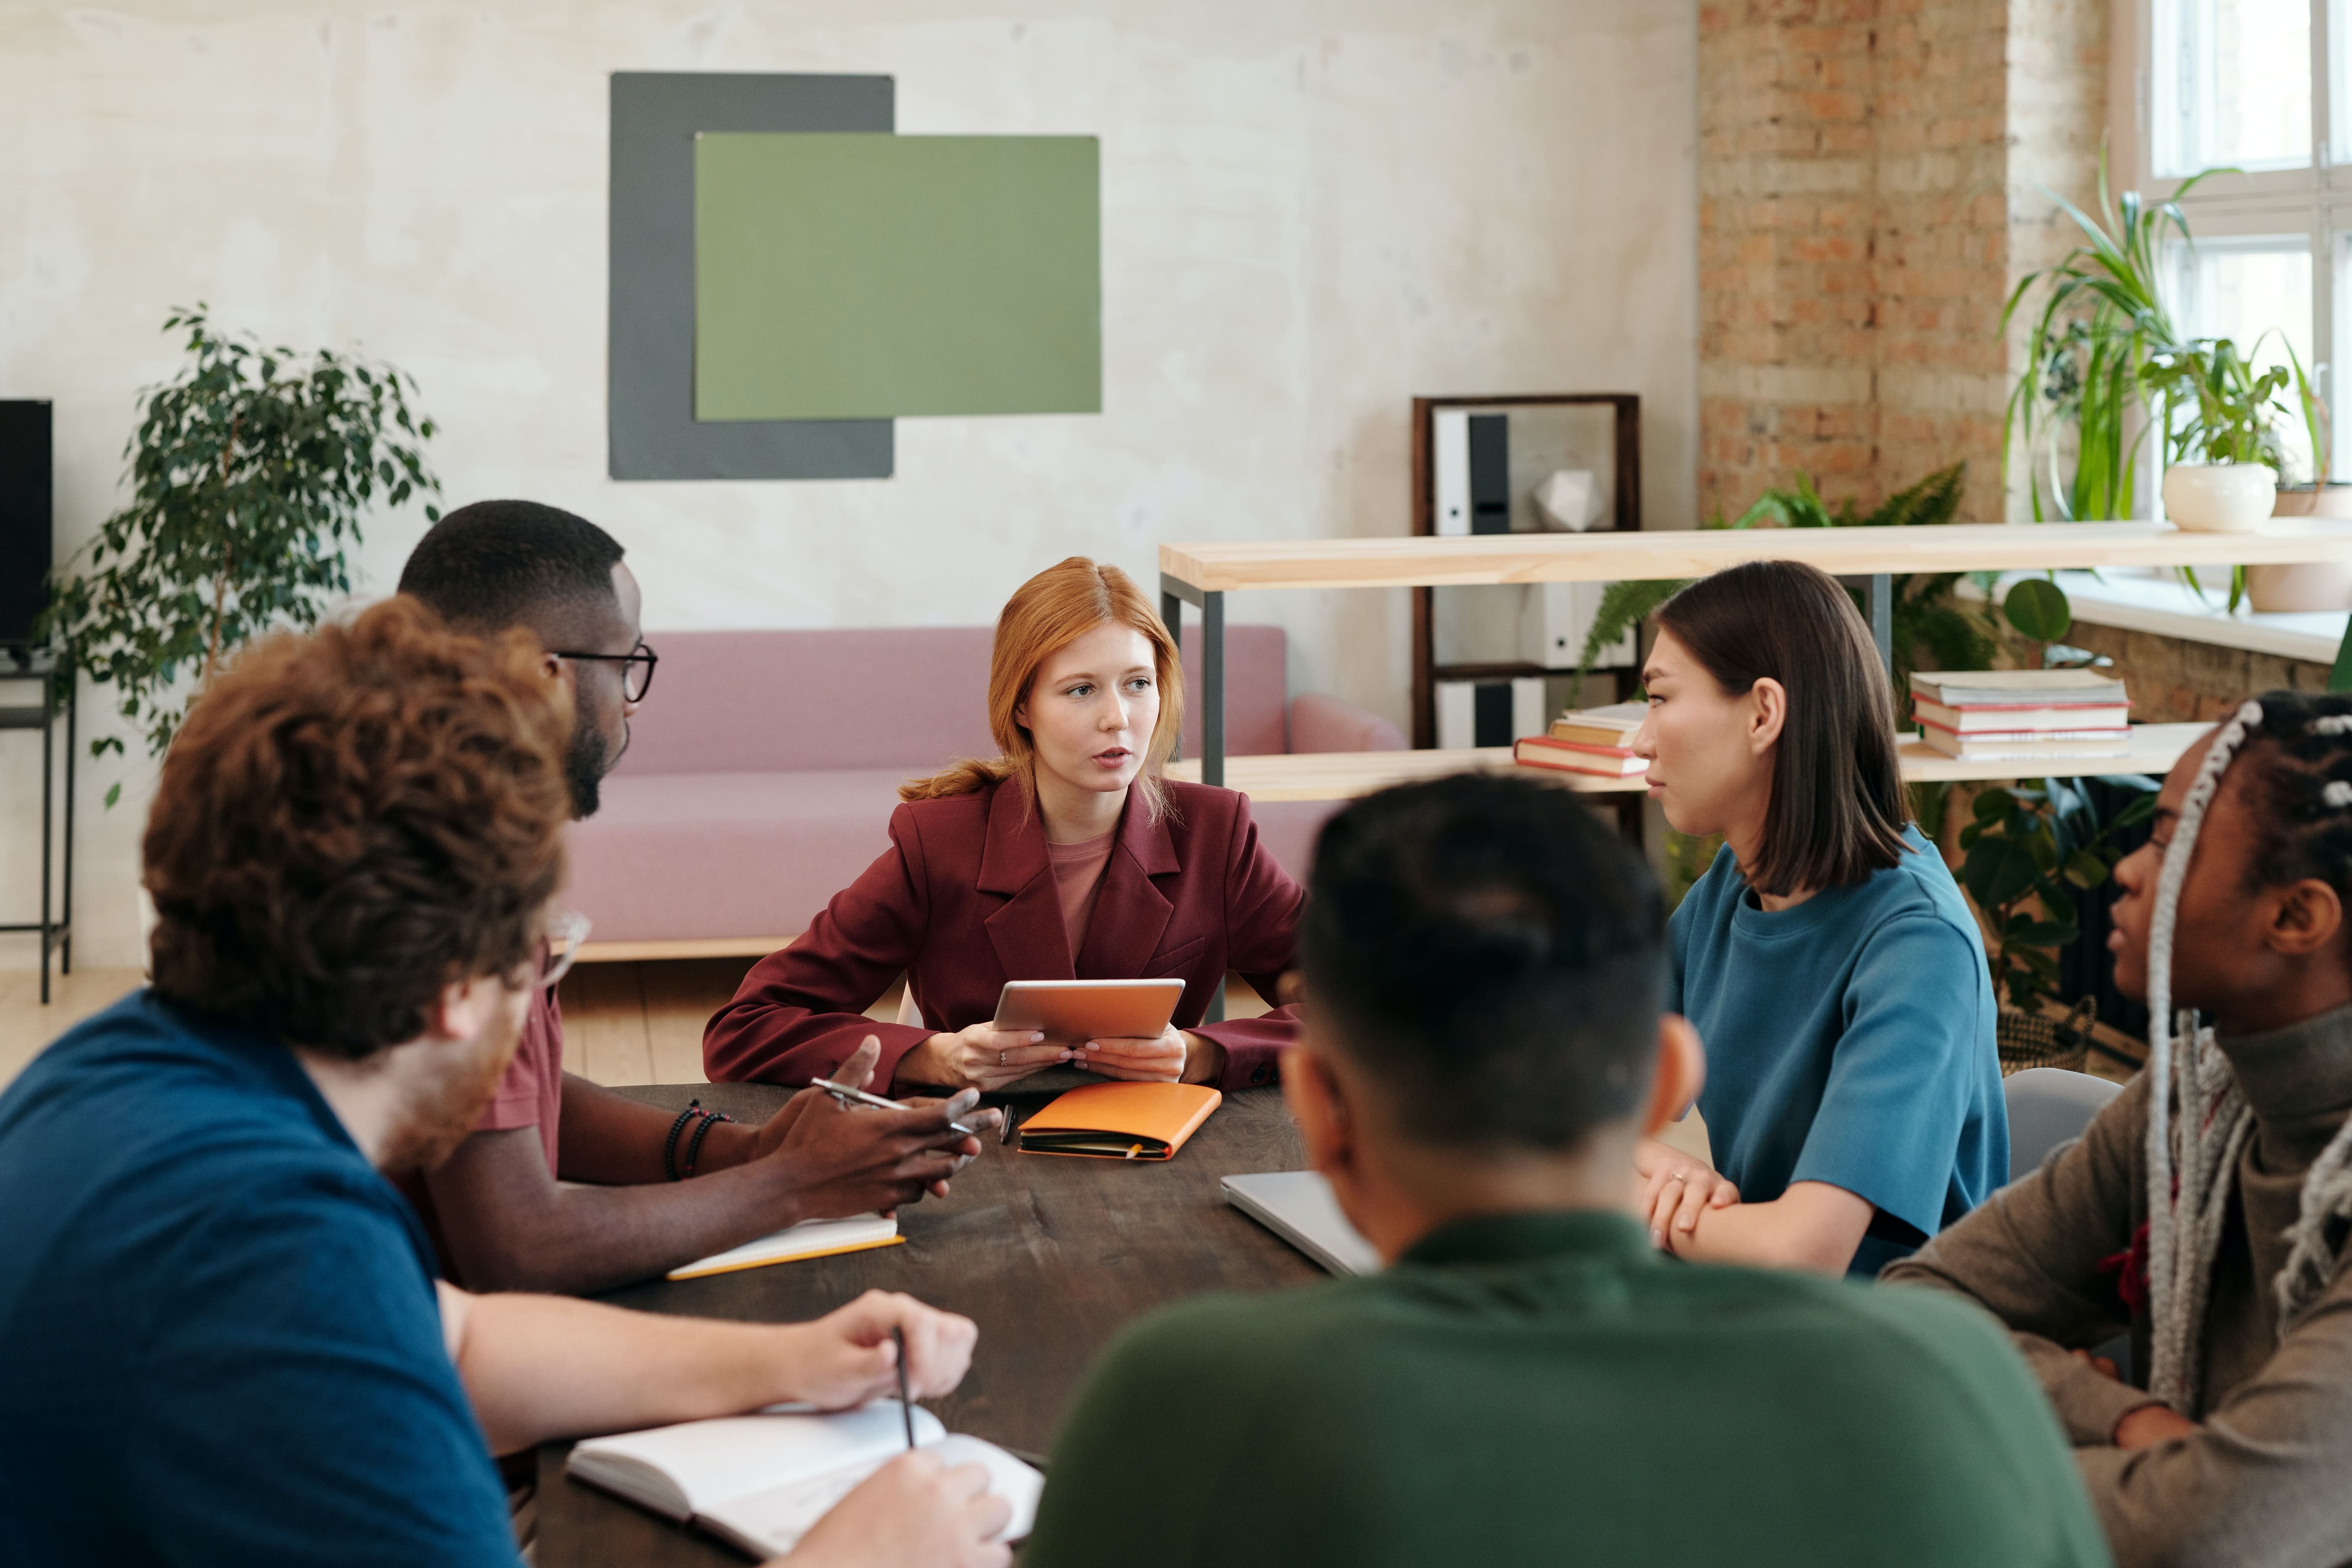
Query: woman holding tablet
[[1834, 973], [1069, 856]]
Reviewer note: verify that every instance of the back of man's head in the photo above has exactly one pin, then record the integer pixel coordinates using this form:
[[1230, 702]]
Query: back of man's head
[[351, 821], [501, 563], [1491, 957]]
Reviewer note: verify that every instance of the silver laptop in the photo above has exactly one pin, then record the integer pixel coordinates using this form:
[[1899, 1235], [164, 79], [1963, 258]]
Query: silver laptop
[[1298, 1206]]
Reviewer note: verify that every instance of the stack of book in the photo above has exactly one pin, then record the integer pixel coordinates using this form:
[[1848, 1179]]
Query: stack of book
[[1587, 741], [2022, 715]]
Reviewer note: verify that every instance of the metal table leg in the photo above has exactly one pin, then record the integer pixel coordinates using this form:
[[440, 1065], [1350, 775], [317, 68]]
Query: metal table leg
[[1882, 618], [49, 792]]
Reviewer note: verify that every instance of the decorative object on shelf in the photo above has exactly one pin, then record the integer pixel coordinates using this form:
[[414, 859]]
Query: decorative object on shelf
[[2102, 319], [249, 476], [1569, 499], [2029, 850]]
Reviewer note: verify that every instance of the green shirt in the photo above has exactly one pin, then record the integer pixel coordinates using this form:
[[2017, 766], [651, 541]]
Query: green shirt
[[1545, 1388]]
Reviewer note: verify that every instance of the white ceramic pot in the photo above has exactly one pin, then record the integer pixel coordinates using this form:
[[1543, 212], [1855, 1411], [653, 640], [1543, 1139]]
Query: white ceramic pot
[[2220, 497]]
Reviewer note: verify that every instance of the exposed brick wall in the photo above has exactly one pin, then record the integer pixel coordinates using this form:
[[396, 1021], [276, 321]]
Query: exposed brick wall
[[2174, 680], [1866, 203]]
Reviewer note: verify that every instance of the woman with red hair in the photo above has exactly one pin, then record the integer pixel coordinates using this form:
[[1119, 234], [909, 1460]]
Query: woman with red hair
[[1066, 857]]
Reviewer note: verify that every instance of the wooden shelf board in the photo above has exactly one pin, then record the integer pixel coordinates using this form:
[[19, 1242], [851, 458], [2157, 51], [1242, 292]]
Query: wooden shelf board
[[1226, 567], [1343, 776]]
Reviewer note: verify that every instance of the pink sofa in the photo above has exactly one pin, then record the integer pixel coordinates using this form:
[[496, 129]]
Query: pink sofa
[[762, 770]]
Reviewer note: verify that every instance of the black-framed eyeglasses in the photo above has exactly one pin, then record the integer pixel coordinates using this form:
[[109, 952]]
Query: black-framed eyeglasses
[[636, 668]]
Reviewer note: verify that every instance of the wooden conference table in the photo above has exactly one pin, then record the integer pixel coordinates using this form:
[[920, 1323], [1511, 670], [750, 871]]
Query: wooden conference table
[[1049, 1255]]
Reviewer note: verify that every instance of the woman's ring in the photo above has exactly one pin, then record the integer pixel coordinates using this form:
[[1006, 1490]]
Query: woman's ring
[[1000, 1058], [1675, 1176]]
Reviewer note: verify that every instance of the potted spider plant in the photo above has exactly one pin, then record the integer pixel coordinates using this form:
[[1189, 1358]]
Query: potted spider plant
[[2219, 421]]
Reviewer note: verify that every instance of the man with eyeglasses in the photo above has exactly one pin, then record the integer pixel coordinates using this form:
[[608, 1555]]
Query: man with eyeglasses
[[223, 1342], [669, 1187]]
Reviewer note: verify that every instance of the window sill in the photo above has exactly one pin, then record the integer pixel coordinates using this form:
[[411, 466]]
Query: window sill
[[2167, 606]]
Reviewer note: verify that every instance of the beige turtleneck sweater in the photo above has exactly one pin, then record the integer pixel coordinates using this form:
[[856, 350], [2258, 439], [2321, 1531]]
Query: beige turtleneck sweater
[[2267, 1481]]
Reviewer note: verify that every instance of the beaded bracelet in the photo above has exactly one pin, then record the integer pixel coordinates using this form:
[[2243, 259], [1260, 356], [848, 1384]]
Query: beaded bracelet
[[669, 1145], [694, 1145]]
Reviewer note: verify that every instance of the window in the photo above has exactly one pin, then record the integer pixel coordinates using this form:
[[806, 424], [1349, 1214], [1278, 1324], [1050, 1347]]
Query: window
[[2262, 88], [2232, 84]]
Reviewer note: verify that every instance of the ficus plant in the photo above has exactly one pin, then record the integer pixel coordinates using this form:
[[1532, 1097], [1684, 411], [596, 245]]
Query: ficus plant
[[2030, 851], [250, 473]]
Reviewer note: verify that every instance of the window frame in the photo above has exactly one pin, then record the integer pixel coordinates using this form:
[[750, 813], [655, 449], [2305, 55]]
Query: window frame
[[2314, 199]]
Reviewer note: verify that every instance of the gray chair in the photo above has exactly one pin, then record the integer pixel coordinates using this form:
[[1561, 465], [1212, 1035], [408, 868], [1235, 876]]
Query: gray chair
[[2047, 1107]]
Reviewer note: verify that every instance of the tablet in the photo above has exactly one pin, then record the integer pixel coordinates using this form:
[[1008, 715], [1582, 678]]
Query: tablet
[[1071, 1011]]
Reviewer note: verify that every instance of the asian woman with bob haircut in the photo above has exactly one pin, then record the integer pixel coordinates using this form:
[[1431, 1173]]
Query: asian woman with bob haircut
[[1827, 959], [1065, 856]]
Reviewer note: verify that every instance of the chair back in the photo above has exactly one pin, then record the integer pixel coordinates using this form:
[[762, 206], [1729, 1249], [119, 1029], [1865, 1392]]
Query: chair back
[[2048, 1106]]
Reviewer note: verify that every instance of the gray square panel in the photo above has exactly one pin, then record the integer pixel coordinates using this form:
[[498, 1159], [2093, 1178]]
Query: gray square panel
[[650, 431]]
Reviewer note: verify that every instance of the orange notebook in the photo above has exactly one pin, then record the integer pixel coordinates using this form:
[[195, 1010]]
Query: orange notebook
[[1121, 1120]]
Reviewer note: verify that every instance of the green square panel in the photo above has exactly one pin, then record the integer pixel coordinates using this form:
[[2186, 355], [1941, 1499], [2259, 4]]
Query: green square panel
[[866, 276]]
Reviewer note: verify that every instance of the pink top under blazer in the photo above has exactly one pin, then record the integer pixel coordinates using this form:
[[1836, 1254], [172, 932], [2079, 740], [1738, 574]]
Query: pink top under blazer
[[964, 900]]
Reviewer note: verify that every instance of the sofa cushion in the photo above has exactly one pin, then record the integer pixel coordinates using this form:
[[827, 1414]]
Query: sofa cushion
[[910, 698], [710, 856], [780, 701], [681, 858], [1257, 691]]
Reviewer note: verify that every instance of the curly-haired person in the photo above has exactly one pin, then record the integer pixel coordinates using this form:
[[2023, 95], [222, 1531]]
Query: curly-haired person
[[225, 1341], [2206, 1208]]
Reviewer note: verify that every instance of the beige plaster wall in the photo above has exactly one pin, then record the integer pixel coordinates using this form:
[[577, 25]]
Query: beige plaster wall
[[1313, 211]]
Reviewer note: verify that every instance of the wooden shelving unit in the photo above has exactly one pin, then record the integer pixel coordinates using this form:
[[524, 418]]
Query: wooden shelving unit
[[1203, 575]]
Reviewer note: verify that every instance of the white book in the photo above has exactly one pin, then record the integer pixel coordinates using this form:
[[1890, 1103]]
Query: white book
[[810, 1239], [761, 1481]]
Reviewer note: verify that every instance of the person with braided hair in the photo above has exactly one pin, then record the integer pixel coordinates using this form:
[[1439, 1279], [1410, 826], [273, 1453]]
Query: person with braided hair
[[2207, 1207]]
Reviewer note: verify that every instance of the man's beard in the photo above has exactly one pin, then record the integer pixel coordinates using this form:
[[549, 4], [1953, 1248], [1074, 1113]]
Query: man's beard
[[587, 761], [431, 1128]]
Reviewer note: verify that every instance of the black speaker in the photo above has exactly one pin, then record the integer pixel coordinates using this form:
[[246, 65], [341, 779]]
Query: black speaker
[[25, 517]]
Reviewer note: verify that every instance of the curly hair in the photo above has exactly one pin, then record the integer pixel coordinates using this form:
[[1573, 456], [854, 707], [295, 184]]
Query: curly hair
[[351, 820]]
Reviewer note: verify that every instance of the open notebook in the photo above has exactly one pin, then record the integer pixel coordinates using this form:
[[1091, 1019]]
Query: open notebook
[[760, 1481]]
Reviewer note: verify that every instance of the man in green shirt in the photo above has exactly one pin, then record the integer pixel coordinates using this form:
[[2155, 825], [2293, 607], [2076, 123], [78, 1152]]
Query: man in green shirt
[[1529, 1381]]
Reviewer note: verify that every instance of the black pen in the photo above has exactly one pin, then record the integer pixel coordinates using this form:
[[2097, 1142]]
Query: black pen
[[848, 1096], [905, 1407]]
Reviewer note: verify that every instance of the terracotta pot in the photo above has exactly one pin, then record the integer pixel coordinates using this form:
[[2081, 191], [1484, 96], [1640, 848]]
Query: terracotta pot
[[2315, 585], [2333, 499], [2311, 585], [2220, 497]]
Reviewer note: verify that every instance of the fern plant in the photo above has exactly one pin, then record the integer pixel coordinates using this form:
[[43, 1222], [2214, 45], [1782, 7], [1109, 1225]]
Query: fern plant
[[1924, 616]]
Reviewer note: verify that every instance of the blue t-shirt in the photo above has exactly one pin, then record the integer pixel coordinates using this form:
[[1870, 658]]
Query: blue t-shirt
[[219, 1341], [1849, 1040]]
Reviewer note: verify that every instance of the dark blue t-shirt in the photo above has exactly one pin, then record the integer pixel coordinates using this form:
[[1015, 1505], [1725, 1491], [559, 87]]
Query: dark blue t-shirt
[[219, 1341], [1849, 1040]]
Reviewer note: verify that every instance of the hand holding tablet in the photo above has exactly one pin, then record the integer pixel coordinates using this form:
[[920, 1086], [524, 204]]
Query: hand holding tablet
[[1119, 1028]]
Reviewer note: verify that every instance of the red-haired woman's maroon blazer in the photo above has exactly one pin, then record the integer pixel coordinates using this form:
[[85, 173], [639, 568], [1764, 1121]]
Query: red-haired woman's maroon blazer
[[963, 900]]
